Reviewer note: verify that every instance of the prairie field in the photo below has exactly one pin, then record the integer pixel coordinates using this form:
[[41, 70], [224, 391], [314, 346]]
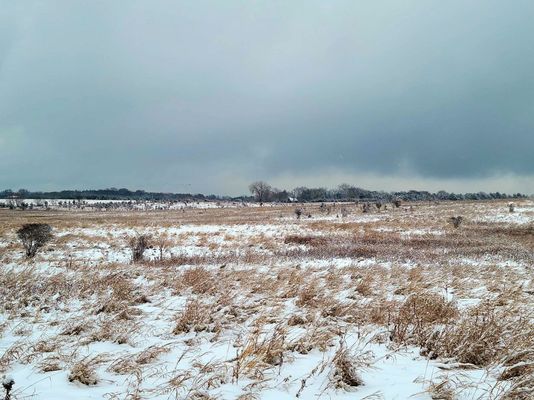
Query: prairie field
[[254, 303]]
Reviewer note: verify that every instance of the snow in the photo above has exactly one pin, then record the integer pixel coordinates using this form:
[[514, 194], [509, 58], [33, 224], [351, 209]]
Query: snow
[[388, 372]]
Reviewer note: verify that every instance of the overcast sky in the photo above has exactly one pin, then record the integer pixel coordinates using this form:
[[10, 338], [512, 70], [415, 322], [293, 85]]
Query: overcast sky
[[207, 96]]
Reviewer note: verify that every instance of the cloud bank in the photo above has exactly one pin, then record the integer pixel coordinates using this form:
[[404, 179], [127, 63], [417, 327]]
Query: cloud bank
[[206, 96]]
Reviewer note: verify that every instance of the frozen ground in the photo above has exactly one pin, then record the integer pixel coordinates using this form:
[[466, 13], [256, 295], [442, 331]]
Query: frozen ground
[[253, 303]]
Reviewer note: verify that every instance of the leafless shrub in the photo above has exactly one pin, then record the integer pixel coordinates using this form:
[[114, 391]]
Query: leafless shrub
[[138, 245], [511, 207], [34, 236], [162, 242], [456, 221], [298, 212]]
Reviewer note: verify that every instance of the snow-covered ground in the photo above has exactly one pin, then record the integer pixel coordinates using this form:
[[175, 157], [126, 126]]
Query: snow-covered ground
[[257, 304]]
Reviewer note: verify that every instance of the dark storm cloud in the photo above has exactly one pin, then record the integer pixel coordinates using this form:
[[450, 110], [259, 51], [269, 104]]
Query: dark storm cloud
[[205, 96]]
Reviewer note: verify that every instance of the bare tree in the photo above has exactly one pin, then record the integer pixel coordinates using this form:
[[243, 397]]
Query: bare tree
[[138, 245], [261, 190], [34, 236]]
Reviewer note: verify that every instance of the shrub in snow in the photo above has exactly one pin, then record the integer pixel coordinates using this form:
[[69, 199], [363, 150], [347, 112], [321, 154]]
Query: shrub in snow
[[138, 245], [511, 207], [298, 212], [34, 236], [456, 221], [162, 243]]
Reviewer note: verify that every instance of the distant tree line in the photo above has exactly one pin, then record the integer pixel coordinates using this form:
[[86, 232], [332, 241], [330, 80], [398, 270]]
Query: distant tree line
[[109, 194], [263, 192]]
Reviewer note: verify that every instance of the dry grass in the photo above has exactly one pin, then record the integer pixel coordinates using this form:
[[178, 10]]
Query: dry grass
[[345, 374], [84, 371], [270, 295], [196, 317]]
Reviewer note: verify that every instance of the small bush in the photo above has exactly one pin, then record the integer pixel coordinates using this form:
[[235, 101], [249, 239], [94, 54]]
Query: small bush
[[138, 245], [34, 236], [456, 221]]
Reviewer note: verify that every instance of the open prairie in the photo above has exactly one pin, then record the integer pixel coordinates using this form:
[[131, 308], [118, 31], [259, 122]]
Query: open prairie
[[255, 303]]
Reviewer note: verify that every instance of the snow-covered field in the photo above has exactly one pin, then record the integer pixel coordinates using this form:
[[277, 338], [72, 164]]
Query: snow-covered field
[[253, 303], [119, 205]]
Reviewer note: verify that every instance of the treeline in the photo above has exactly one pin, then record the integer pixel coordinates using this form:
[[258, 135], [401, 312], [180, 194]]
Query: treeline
[[263, 192], [108, 194]]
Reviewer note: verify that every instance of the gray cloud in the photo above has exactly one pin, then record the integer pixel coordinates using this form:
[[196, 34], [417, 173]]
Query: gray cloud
[[206, 96]]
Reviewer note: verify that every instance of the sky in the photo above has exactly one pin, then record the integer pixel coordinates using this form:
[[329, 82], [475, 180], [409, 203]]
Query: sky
[[208, 96]]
